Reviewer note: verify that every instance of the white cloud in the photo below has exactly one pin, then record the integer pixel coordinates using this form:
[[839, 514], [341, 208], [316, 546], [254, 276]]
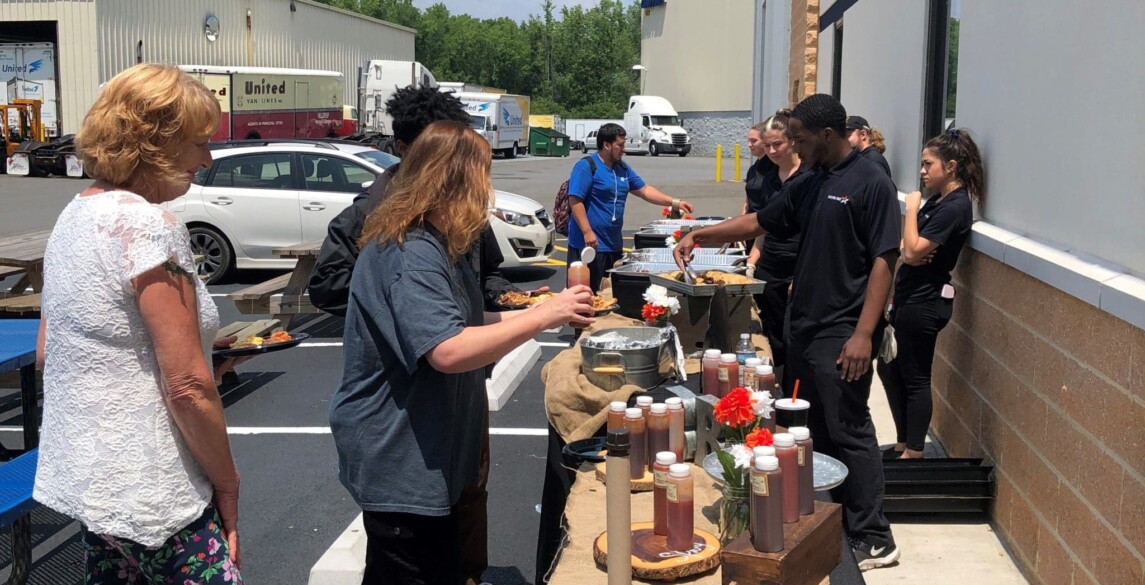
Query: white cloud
[[518, 10]]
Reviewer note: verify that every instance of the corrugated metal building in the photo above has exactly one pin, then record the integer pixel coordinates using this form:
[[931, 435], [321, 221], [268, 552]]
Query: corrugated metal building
[[95, 39]]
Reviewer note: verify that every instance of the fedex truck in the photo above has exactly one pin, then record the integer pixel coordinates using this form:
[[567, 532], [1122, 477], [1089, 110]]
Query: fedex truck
[[28, 72], [500, 118], [268, 102]]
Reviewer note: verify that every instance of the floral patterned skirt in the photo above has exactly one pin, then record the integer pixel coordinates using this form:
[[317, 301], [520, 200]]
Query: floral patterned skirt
[[196, 555]]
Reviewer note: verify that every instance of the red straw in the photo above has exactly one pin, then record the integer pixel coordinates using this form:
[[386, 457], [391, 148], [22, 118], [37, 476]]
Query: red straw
[[795, 392]]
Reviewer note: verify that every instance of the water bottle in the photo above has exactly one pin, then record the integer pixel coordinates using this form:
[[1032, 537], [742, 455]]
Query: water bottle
[[744, 349]]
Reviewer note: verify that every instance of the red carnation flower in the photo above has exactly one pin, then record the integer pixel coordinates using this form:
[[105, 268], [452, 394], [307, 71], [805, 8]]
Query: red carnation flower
[[760, 437], [735, 408]]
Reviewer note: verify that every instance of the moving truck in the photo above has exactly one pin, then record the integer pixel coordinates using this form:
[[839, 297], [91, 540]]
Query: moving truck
[[500, 118], [658, 129], [378, 80], [28, 72], [266, 102]]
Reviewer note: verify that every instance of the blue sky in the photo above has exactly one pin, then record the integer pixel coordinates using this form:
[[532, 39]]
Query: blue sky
[[518, 10]]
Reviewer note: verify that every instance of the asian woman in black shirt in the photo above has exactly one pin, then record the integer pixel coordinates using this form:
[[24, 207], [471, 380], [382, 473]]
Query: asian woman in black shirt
[[934, 232], [772, 258]]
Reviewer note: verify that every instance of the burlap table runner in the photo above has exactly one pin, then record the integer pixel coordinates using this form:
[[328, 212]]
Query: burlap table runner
[[574, 406], [586, 517]]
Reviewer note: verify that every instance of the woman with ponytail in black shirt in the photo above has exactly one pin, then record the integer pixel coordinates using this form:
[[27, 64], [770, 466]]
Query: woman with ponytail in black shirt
[[934, 233]]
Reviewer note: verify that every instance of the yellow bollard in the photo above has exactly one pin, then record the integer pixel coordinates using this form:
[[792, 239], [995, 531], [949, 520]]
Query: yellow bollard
[[719, 162], [738, 177]]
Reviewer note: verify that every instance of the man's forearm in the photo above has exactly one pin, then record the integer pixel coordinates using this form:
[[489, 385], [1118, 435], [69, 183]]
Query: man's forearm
[[580, 216], [736, 229], [654, 196], [878, 289]]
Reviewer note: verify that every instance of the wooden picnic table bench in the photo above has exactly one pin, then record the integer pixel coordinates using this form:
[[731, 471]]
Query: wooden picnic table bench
[[20, 305], [25, 252], [283, 296]]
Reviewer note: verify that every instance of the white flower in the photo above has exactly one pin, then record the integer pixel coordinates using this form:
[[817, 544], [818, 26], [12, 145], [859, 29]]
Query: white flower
[[657, 295], [673, 305], [761, 402], [742, 455], [670, 241]]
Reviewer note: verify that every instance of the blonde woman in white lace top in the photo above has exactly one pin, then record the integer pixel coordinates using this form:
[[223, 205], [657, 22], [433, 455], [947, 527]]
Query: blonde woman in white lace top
[[134, 442]]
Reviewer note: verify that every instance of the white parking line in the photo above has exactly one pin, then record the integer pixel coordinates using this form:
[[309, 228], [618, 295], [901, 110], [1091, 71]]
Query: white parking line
[[552, 344], [504, 432]]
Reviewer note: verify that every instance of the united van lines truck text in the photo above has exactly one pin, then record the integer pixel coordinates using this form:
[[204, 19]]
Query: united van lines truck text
[[265, 102]]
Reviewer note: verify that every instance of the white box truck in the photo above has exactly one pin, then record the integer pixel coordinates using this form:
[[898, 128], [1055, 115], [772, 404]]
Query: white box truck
[[378, 80], [580, 129], [28, 70], [500, 118], [658, 129]]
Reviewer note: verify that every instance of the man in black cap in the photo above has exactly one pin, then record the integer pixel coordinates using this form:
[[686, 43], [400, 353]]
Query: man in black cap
[[868, 141]]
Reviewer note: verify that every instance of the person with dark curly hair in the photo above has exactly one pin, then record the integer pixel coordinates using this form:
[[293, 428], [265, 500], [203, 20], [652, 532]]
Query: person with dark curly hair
[[848, 214], [412, 110]]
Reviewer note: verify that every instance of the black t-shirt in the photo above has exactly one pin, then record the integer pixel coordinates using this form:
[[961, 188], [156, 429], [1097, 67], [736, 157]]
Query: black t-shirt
[[777, 262], [945, 221], [872, 154], [849, 215]]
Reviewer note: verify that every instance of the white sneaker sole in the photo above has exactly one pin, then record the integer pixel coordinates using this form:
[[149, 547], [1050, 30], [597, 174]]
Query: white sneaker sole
[[880, 562]]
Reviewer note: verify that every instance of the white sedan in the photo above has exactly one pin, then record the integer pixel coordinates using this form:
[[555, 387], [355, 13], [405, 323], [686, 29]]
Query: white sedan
[[258, 197]]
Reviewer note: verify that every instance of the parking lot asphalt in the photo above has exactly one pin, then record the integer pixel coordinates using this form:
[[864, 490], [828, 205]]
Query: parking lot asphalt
[[292, 505]]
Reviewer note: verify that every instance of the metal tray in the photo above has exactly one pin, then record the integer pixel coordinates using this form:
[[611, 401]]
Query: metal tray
[[660, 267], [706, 258], [707, 290], [829, 472], [676, 224]]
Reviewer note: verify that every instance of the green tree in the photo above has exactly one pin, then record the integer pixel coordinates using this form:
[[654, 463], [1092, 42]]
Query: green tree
[[952, 68]]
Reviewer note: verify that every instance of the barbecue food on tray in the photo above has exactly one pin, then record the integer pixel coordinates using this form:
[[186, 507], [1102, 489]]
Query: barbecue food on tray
[[711, 277], [515, 298], [279, 336], [600, 303]]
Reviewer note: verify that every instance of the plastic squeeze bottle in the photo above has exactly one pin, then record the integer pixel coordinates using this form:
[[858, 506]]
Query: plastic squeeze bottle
[[711, 379], [681, 519], [747, 373], [676, 440], [637, 443], [806, 461], [767, 505], [728, 373], [656, 423], [616, 415], [664, 460], [788, 456], [644, 403], [618, 497]]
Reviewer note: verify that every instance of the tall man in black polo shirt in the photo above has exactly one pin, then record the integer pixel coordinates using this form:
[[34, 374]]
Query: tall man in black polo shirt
[[848, 212]]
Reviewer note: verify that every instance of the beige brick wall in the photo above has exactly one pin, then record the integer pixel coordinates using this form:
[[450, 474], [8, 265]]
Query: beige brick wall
[[804, 49], [1051, 390]]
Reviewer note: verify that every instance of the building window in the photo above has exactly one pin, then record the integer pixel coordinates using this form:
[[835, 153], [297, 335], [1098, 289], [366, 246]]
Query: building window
[[837, 62], [941, 97]]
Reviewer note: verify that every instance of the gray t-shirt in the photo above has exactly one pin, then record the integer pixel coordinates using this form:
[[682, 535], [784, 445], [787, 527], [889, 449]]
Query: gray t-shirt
[[408, 436]]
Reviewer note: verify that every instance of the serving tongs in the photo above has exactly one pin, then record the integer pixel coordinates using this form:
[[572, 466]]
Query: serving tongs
[[690, 276]]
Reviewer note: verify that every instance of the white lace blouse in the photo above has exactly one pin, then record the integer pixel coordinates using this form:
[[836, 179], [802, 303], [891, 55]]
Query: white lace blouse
[[111, 455]]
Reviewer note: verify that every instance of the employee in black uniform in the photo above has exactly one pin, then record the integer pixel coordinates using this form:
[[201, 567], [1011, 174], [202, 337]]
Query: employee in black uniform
[[772, 258], [868, 141], [848, 213], [933, 235]]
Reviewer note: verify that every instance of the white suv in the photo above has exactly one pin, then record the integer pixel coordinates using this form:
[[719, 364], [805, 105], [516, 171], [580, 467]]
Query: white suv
[[262, 195]]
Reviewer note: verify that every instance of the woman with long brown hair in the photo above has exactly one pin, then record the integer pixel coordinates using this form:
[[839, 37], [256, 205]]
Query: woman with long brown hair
[[408, 415]]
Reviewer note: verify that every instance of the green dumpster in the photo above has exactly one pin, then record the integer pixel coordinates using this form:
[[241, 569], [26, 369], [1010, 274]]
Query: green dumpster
[[547, 142]]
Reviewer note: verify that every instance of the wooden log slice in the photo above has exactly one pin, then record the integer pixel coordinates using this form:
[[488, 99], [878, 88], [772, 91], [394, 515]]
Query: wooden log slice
[[654, 561], [644, 484]]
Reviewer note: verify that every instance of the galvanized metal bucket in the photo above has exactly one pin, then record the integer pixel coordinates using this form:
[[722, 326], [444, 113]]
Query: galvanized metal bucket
[[610, 369]]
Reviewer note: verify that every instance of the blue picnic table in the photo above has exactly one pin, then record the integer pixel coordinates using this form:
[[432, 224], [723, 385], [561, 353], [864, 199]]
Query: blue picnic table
[[18, 352]]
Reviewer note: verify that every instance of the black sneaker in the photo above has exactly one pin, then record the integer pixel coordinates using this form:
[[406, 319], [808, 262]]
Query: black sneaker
[[874, 557], [890, 453]]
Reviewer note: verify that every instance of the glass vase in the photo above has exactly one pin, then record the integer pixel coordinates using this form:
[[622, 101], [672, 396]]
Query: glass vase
[[734, 512]]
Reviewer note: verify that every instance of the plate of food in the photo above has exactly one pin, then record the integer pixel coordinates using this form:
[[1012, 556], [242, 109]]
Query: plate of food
[[516, 299], [603, 306], [254, 345]]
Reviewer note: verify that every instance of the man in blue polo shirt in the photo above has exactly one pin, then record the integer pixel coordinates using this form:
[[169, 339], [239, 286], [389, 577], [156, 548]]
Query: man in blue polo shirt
[[598, 189]]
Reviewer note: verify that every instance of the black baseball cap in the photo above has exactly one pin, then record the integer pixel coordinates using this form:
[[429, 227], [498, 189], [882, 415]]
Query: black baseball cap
[[857, 123]]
